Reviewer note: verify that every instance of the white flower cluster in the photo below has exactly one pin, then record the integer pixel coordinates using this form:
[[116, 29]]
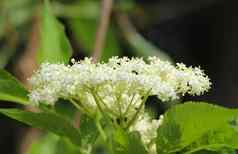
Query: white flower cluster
[[147, 128], [118, 87], [120, 78]]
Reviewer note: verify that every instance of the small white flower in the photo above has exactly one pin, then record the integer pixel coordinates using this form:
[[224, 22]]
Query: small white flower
[[147, 128]]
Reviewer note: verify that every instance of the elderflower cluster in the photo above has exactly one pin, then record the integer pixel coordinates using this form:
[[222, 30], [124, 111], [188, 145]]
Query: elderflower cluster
[[119, 88], [118, 85], [120, 76]]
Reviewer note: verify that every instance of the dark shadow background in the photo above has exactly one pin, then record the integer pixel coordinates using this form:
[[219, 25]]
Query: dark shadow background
[[205, 34], [196, 32]]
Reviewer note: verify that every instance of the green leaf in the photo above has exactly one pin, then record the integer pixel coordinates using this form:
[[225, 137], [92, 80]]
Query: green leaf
[[64, 146], [46, 144], [222, 151], [78, 9], [54, 45], [48, 121], [88, 130], [192, 127], [127, 143], [216, 152], [85, 31], [85, 9], [11, 90], [65, 109], [53, 144]]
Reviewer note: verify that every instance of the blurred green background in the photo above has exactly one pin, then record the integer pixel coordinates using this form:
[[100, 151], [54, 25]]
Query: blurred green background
[[194, 32]]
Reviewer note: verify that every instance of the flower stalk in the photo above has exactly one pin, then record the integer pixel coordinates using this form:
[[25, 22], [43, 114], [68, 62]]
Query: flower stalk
[[139, 109]]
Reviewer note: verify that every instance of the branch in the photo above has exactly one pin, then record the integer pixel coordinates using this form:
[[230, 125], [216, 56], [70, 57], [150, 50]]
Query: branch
[[102, 29]]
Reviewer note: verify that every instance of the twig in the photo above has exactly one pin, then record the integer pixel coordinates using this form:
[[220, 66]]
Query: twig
[[24, 69], [27, 63], [139, 109], [102, 29]]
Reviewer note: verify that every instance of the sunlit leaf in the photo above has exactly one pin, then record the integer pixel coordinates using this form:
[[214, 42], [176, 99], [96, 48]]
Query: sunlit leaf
[[46, 144], [54, 45], [192, 127], [53, 144], [127, 143], [11, 90], [46, 121]]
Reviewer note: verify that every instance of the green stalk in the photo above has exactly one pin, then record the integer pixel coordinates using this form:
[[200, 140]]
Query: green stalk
[[119, 106], [97, 102], [128, 107], [81, 107], [101, 131], [140, 108], [96, 96]]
